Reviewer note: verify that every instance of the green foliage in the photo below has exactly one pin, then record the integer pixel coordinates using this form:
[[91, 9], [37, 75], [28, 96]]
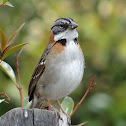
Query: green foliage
[[67, 105], [26, 103], [14, 35], [8, 70], [5, 45], [5, 2], [13, 49], [5, 52], [2, 100], [2, 40], [5, 96]]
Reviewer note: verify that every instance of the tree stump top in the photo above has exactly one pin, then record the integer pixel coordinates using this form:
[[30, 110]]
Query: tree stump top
[[32, 117]]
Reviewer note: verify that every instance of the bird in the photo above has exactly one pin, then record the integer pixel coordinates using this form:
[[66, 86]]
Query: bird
[[61, 66]]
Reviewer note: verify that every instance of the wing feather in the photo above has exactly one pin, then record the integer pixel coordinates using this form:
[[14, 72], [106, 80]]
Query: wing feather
[[38, 71]]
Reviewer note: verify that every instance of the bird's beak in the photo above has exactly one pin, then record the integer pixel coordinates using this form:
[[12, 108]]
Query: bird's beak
[[73, 25]]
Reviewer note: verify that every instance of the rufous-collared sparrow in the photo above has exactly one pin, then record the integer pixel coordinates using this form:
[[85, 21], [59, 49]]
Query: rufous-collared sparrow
[[61, 66]]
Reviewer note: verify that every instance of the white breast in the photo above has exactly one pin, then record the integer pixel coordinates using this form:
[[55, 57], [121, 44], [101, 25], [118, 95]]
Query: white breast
[[63, 74]]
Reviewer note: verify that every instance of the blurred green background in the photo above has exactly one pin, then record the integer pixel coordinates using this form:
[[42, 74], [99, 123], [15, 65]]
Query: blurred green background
[[102, 36]]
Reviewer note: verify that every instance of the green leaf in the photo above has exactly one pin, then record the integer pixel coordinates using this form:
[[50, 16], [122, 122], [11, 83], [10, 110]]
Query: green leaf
[[4, 1], [14, 35], [8, 70], [3, 100], [67, 105], [26, 102], [9, 4], [2, 40], [4, 95], [13, 49]]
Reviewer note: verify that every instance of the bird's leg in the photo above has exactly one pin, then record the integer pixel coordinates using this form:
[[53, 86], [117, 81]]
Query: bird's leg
[[49, 102], [53, 109], [45, 107]]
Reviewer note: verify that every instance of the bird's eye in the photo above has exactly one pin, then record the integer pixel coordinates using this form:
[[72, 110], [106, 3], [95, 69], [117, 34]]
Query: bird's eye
[[61, 26]]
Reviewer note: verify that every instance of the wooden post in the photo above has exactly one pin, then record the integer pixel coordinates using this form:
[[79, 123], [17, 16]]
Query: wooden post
[[32, 117]]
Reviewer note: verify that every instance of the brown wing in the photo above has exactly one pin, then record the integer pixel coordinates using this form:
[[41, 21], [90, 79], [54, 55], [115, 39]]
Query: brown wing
[[37, 73]]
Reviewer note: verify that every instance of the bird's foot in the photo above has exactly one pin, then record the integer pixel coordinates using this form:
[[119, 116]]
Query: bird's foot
[[50, 107]]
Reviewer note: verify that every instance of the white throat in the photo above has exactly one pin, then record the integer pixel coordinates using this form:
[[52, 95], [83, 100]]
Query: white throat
[[68, 35]]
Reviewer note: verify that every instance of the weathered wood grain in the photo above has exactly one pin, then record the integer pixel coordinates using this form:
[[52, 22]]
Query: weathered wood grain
[[31, 117]]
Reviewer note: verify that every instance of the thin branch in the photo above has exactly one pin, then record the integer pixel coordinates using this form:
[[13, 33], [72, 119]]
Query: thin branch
[[88, 90], [81, 124], [19, 87], [60, 106], [20, 53], [16, 86]]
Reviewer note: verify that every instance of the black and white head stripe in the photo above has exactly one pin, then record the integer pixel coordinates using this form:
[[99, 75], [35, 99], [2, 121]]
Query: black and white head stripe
[[66, 19], [62, 24]]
